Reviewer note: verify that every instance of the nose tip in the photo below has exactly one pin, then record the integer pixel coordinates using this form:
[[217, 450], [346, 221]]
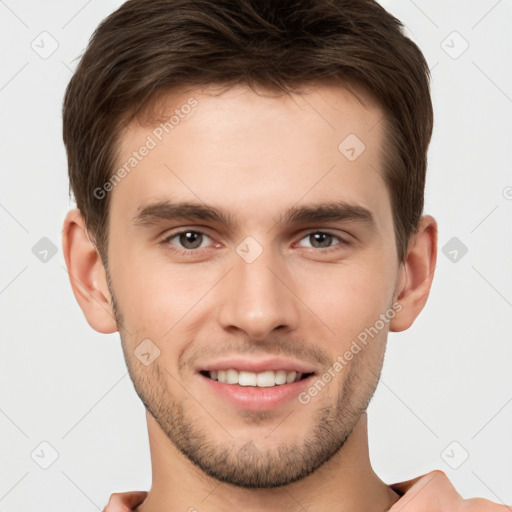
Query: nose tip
[[259, 324]]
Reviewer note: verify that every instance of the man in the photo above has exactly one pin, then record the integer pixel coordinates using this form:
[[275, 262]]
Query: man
[[249, 179]]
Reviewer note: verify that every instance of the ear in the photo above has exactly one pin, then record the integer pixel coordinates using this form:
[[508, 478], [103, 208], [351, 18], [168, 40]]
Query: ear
[[416, 274], [87, 274]]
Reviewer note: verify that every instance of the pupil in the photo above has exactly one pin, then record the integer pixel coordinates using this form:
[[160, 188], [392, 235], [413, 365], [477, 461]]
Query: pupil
[[190, 239], [322, 240]]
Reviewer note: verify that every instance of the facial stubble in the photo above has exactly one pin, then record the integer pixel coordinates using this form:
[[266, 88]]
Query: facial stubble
[[239, 461]]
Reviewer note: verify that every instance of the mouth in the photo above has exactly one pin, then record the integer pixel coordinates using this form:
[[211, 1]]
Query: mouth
[[264, 379], [256, 384]]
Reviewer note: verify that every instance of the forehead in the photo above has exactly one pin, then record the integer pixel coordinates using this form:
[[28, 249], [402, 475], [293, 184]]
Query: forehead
[[244, 149]]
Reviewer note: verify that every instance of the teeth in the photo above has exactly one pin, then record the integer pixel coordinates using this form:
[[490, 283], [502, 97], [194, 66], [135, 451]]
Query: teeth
[[290, 377], [245, 378], [262, 380], [232, 377], [281, 377], [266, 379]]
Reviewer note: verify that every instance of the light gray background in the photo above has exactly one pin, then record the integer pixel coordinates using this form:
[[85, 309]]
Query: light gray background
[[446, 379]]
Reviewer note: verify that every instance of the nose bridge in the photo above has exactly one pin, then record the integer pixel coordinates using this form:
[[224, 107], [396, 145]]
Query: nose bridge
[[257, 301]]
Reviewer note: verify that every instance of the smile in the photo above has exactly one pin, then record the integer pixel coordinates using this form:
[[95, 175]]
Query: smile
[[265, 379]]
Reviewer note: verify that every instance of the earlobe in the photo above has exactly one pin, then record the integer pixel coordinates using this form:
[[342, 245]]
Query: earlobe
[[87, 274], [416, 274]]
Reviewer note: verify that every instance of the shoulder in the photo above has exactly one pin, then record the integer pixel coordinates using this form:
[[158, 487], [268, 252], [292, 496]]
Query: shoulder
[[434, 492], [125, 501]]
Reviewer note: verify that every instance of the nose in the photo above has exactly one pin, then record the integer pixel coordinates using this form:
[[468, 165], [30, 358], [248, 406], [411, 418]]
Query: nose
[[259, 298]]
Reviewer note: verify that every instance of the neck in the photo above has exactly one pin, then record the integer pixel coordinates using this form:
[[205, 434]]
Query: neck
[[345, 483]]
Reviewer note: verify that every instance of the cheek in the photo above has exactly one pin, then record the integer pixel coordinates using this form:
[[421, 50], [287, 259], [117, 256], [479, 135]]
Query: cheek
[[157, 295], [347, 297]]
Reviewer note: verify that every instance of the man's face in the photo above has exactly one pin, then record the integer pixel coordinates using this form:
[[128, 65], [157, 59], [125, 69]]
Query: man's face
[[259, 291]]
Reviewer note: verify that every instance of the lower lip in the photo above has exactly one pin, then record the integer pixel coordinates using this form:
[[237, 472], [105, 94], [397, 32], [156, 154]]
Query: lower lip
[[253, 398]]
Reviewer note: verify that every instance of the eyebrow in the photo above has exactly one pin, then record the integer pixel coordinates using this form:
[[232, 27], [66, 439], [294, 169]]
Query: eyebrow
[[156, 212]]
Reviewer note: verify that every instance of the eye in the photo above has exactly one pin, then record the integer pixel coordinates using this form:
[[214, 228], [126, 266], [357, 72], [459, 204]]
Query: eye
[[188, 240], [322, 240]]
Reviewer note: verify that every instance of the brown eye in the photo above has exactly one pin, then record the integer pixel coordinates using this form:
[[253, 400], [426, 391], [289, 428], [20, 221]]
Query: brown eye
[[191, 239], [188, 240], [322, 240]]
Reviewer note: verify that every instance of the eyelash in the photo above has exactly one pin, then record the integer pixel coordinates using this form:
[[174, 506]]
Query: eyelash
[[185, 252]]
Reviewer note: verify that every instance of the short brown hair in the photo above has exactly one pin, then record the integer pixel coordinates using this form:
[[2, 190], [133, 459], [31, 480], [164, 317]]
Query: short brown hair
[[148, 47]]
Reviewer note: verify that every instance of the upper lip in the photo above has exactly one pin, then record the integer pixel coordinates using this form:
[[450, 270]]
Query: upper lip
[[258, 365]]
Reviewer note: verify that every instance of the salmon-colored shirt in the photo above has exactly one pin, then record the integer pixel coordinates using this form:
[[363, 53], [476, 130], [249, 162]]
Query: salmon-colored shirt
[[432, 492]]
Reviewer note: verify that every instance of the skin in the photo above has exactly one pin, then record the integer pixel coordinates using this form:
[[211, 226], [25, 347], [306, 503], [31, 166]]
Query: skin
[[255, 156]]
